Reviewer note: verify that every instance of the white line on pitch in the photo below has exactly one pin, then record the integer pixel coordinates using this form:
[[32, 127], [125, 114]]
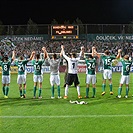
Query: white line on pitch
[[69, 116]]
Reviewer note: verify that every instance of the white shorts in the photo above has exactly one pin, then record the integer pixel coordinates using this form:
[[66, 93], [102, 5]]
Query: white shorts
[[124, 79], [54, 79], [107, 74], [5, 79], [90, 79], [38, 78], [21, 79]]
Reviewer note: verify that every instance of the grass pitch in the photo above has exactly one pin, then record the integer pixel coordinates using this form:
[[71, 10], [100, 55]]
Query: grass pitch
[[103, 114]]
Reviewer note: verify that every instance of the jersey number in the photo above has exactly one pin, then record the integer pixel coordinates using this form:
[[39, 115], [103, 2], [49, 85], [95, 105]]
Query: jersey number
[[21, 68], [5, 68], [127, 68], [108, 61], [73, 64], [91, 66], [37, 67]]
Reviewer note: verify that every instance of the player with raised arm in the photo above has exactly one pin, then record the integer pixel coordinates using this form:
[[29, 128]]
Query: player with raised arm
[[5, 63], [66, 70], [125, 78], [37, 76], [107, 69], [21, 79], [54, 73], [91, 73], [72, 71]]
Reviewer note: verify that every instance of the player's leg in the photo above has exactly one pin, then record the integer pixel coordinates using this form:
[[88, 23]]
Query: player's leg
[[57, 81], [7, 85], [19, 81], [65, 78], [35, 85], [24, 86], [127, 86], [76, 82], [120, 90], [110, 82], [69, 81], [87, 85], [3, 84], [94, 86], [110, 86], [20, 91], [87, 90], [52, 86], [24, 90], [40, 80], [40, 90], [104, 82], [103, 87], [3, 89], [127, 91], [122, 80]]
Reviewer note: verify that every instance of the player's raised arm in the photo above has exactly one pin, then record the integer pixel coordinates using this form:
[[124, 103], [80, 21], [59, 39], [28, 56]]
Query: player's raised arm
[[119, 54], [45, 52], [63, 52], [32, 55], [62, 49], [81, 51], [13, 55], [94, 52]]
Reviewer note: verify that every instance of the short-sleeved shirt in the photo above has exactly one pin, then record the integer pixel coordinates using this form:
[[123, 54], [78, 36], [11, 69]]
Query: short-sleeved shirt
[[126, 65], [107, 61], [5, 67], [37, 66], [54, 65], [91, 65], [21, 66]]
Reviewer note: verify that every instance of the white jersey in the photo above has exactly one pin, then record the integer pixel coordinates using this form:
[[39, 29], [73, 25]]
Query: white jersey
[[54, 65], [72, 63]]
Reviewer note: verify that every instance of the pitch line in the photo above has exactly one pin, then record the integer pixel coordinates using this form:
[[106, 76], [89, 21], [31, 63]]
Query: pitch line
[[67, 116]]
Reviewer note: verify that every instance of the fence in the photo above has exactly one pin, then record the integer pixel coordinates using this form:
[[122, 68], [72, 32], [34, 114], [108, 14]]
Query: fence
[[83, 29]]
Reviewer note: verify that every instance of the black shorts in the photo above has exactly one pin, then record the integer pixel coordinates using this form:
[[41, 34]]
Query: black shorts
[[72, 78]]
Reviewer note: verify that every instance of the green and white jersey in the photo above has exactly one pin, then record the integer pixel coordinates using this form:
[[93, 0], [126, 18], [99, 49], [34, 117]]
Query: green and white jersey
[[107, 61], [90, 65], [37, 66], [5, 67], [21, 66], [126, 65]]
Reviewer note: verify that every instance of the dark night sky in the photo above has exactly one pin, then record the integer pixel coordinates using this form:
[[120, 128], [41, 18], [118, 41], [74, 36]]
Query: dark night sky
[[88, 11]]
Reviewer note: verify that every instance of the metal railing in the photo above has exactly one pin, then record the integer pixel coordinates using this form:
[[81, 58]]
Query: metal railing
[[83, 29]]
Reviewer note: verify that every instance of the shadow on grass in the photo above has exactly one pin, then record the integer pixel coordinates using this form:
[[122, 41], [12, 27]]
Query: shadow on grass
[[48, 101], [30, 101]]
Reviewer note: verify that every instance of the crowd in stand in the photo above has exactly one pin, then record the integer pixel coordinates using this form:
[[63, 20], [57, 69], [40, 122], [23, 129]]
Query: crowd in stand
[[71, 46]]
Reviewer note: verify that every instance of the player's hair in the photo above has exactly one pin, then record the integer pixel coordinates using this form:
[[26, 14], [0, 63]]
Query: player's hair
[[21, 57], [126, 57], [38, 56], [55, 56], [5, 58], [107, 52], [74, 55], [90, 56]]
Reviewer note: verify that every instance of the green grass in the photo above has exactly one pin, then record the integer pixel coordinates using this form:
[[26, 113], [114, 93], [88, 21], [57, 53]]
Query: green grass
[[103, 114]]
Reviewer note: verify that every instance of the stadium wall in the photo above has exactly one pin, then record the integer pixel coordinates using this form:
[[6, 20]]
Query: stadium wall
[[88, 37], [46, 69]]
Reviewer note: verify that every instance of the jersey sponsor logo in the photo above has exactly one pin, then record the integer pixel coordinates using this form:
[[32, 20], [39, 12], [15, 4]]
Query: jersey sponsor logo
[[13, 69]]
